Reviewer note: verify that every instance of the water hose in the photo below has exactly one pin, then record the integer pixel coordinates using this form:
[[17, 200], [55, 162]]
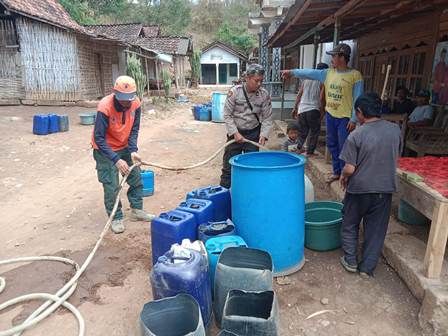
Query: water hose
[[54, 301]]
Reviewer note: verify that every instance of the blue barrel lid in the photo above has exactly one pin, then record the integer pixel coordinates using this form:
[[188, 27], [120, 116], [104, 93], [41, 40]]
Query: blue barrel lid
[[268, 160]]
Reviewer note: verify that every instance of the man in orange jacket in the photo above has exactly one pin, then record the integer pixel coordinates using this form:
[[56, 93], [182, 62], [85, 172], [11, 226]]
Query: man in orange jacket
[[114, 142]]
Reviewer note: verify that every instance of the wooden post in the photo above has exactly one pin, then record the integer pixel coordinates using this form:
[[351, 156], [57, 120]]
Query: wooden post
[[438, 236], [316, 45], [336, 33], [147, 75], [175, 73], [157, 77]]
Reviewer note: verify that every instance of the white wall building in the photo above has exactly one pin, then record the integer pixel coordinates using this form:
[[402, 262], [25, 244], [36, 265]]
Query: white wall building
[[221, 64]]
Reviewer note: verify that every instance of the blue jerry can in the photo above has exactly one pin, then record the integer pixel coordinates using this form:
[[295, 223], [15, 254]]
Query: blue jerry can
[[215, 246], [53, 126], [170, 228], [173, 275], [215, 229], [220, 197], [40, 124], [203, 210], [148, 182]]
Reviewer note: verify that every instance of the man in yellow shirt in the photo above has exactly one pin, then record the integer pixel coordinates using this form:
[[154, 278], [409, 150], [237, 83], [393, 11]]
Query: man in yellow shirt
[[343, 86]]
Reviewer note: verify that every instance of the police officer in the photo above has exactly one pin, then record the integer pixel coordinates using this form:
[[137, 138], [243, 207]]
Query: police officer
[[248, 115], [114, 141]]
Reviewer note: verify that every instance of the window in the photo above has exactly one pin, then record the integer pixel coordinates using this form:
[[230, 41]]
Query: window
[[366, 67], [233, 70]]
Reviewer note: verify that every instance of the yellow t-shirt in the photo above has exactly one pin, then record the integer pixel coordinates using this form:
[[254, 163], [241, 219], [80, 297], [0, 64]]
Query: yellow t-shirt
[[339, 92]]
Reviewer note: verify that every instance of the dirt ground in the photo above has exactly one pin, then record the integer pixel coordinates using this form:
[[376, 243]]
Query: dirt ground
[[51, 204]]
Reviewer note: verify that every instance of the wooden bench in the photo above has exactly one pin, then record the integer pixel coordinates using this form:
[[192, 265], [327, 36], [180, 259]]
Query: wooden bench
[[434, 206]]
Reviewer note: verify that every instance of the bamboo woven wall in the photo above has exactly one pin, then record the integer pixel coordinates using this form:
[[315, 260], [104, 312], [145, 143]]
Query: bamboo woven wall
[[10, 74], [49, 57], [10, 70]]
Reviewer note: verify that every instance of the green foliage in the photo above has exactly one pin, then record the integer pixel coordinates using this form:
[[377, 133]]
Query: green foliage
[[236, 37], [195, 63], [166, 79], [173, 16], [134, 69], [79, 10]]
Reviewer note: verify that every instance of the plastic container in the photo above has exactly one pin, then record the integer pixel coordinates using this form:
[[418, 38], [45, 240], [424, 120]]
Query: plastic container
[[197, 111], [87, 118], [171, 228], [218, 102], [268, 205], [216, 229], [215, 246], [323, 225], [409, 215], [202, 210], [309, 190], [148, 182], [251, 313], [173, 275], [40, 124], [220, 197], [157, 316], [205, 113], [63, 123], [244, 269], [53, 123]]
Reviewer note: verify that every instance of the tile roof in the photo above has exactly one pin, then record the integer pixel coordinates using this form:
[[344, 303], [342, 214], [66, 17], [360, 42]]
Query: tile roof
[[49, 11], [172, 45], [151, 31], [127, 32]]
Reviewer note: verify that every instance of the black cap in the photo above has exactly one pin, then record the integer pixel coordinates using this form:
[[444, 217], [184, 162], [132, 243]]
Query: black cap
[[423, 93], [341, 49]]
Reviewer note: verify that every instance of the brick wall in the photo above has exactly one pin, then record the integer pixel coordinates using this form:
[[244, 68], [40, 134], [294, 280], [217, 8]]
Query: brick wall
[[95, 63]]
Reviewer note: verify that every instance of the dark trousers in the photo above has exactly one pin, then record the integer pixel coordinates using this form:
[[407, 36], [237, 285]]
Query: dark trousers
[[309, 125], [235, 149], [108, 176], [374, 210], [337, 133]]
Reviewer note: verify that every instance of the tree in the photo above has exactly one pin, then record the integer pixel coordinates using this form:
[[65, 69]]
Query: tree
[[174, 16], [236, 37], [79, 10]]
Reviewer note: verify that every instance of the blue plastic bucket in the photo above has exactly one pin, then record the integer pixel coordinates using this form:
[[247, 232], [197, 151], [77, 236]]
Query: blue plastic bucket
[[268, 205], [218, 102]]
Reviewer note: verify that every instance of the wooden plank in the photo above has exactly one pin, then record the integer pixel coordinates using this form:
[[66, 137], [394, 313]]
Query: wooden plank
[[417, 197], [424, 187], [438, 236]]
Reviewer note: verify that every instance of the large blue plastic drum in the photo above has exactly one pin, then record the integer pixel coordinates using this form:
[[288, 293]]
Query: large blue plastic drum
[[218, 102], [268, 205]]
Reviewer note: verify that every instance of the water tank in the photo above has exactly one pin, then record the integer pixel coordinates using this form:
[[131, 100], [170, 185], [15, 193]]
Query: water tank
[[218, 102], [268, 205]]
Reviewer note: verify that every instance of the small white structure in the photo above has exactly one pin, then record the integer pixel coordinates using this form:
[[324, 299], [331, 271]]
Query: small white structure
[[221, 64]]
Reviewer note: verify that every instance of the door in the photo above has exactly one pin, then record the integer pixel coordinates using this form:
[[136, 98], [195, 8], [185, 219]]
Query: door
[[208, 72], [98, 76], [223, 74]]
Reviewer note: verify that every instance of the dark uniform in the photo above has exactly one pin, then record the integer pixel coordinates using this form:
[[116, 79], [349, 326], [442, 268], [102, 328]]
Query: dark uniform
[[251, 124]]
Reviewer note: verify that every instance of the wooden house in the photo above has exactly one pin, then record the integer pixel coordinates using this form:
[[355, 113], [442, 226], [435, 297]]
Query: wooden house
[[47, 58]]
